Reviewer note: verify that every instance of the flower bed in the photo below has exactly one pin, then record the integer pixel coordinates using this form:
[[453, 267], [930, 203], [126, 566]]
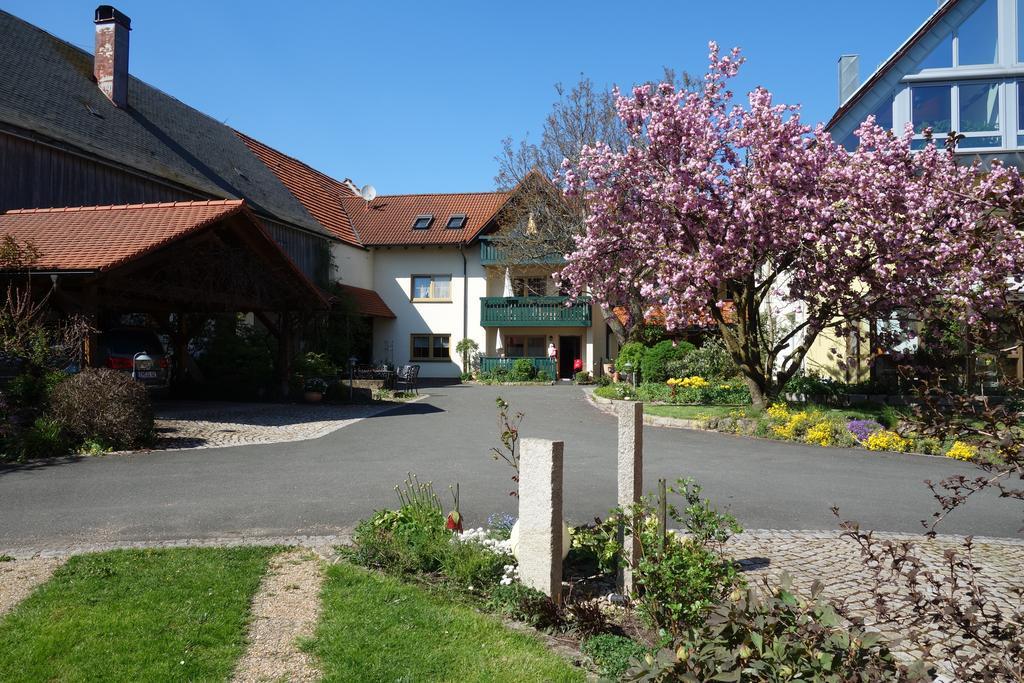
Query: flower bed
[[818, 426], [686, 589]]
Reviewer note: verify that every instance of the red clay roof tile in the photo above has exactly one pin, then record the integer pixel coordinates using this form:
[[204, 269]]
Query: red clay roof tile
[[368, 302], [388, 219], [318, 192], [102, 237]]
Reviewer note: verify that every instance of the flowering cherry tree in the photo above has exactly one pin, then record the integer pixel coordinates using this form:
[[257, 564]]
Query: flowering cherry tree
[[718, 213]]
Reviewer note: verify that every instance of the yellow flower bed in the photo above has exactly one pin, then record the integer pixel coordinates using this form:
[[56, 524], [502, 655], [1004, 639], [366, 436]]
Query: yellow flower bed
[[778, 411], [821, 434], [962, 451], [689, 382], [796, 425], [885, 440]]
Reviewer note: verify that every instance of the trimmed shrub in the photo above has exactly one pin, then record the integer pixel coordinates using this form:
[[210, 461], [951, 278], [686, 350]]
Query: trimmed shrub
[[522, 371], [583, 377], [710, 361], [654, 364], [631, 352], [106, 406]]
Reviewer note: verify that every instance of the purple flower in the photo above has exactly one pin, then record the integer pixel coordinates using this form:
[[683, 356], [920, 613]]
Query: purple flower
[[501, 521], [862, 429]]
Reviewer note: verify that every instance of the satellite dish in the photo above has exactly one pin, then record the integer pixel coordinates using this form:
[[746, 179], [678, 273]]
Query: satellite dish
[[368, 192]]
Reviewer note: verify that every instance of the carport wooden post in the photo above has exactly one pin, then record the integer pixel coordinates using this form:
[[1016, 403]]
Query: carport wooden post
[[181, 339], [285, 342], [630, 480], [540, 516]]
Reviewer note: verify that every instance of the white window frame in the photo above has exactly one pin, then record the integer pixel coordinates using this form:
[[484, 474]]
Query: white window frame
[[954, 112]]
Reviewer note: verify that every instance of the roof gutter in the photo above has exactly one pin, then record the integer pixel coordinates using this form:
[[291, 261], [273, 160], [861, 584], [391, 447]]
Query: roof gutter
[[465, 295]]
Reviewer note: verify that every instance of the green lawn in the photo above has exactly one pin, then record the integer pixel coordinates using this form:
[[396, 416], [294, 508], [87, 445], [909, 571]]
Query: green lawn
[[376, 628], [135, 615]]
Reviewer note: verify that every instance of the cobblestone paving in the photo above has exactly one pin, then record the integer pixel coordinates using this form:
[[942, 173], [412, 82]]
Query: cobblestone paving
[[215, 425], [823, 555]]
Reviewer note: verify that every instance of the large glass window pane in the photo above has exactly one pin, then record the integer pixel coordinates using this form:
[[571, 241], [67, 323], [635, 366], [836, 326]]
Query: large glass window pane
[[931, 108], [1020, 30], [421, 346], [979, 107], [942, 56], [441, 346], [978, 36], [443, 287], [986, 141], [421, 288], [1020, 105], [535, 347]]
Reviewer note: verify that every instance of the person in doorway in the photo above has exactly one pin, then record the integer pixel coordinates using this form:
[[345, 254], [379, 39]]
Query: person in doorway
[[553, 355]]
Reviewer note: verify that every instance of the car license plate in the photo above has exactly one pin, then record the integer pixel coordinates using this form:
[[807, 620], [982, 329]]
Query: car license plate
[[150, 374]]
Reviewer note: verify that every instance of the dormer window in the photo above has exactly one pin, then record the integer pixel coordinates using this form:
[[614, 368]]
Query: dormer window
[[423, 221], [457, 221]]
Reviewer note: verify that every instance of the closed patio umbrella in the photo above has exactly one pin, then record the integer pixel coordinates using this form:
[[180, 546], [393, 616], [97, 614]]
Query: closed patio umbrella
[[499, 346]]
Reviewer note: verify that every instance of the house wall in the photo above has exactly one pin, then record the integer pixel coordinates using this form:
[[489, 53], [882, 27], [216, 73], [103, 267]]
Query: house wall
[[352, 265], [392, 271]]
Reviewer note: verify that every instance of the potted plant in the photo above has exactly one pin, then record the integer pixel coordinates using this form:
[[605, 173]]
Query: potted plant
[[313, 390]]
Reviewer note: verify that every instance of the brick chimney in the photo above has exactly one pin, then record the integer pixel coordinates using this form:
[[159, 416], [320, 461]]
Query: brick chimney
[[110, 65]]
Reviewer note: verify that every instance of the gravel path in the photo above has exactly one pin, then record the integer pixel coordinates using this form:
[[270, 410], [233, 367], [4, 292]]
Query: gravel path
[[18, 578], [193, 424], [285, 609]]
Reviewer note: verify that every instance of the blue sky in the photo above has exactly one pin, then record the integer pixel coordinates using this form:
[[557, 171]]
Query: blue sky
[[416, 97]]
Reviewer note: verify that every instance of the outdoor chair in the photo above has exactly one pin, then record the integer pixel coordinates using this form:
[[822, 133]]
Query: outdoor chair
[[408, 377]]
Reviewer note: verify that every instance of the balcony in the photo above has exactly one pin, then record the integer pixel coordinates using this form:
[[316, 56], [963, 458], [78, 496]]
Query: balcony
[[492, 254], [491, 364], [534, 311]]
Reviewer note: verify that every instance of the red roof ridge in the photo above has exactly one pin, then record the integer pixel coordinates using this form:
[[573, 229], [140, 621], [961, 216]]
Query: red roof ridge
[[122, 207], [436, 194]]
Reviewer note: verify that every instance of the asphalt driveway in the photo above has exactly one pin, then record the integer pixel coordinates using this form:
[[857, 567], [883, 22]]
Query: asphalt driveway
[[325, 485]]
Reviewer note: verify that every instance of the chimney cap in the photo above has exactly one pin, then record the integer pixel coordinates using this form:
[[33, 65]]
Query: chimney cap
[[106, 14]]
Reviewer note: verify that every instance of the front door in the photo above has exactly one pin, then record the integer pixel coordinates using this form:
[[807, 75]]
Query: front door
[[569, 349]]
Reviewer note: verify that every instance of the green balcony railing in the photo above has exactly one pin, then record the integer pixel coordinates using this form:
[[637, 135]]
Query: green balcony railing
[[490, 364], [534, 311], [492, 254]]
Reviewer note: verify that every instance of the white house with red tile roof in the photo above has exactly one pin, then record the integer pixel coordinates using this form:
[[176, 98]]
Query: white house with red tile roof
[[420, 266]]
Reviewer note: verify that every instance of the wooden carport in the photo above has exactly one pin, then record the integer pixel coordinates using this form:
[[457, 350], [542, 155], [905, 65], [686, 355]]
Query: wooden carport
[[172, 260]]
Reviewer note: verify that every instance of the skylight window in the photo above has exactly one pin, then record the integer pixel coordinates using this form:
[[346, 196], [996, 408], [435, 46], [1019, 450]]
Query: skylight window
[[458, 220], [423, 221]]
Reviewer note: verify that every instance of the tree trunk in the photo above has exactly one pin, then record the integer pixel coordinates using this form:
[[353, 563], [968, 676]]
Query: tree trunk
[[617, 328], [759, 395]]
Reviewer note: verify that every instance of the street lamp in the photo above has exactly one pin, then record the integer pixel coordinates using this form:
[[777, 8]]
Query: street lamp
[[628, 367], [351, 375]]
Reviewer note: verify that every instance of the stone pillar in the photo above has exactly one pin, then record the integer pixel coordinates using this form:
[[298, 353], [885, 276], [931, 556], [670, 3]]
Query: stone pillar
[[630, 478], [540, 515]]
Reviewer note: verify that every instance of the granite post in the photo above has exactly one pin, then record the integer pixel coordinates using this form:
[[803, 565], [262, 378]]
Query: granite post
[[630, 479], [540, 515]]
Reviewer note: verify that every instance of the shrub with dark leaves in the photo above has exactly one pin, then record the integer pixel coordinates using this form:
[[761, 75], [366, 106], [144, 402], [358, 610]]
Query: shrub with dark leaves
[[104, 406], [776, 635]]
